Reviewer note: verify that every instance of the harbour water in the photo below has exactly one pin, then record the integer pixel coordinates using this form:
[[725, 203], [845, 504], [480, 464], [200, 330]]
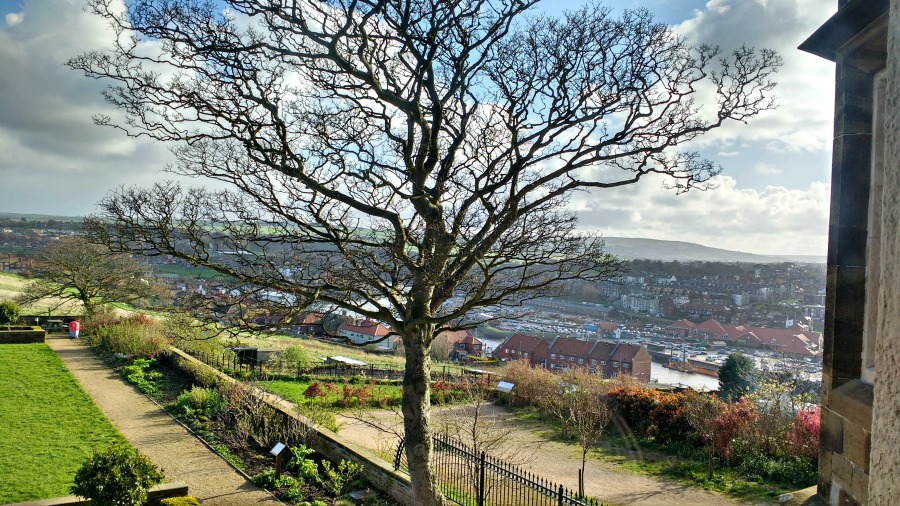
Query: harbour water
[[664, 376]]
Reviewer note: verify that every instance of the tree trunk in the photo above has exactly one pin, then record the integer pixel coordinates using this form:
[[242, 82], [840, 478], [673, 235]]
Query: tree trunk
[[416, 422]]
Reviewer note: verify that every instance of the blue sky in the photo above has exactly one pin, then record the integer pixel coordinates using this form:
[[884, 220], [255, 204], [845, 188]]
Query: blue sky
[[772, 197]]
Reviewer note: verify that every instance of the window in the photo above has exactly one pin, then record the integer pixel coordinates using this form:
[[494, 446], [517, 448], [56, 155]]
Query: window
[[553, 355], [593, 362], [526, 354], [626, 365], [571, 359], [873, 238], [603, 362], [580, 361], [615, 364]]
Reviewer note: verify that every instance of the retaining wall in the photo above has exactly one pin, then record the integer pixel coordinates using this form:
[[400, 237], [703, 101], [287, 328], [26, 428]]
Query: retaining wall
[[22, 335], [154, 496], [329, 444]]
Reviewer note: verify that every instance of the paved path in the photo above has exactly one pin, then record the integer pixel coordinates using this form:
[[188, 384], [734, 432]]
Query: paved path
[[152, 431]]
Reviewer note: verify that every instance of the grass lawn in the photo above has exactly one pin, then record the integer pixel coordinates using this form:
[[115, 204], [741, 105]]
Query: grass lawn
[[48, 424], [376, 395]]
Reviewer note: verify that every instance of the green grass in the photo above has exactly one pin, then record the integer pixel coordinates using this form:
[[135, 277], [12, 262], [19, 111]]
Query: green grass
[[48, 424], [293, 391], [187, 272]]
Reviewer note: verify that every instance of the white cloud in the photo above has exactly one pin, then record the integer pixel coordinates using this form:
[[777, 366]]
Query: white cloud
[[765, 169], [50, 145], [14, 18], [805, 90], [775, 220]]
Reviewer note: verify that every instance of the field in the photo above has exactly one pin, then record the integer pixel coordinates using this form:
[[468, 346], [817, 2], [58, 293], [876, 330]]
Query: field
[[12, 285], [48, 425]]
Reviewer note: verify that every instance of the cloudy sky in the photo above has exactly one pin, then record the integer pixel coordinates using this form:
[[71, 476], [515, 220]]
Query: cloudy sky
[[772, 197]]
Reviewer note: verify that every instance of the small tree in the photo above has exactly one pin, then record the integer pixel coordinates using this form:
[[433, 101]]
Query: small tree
[[73, 269], [589, 413], [9, 312], [737, 377], [117, 476], [702, 412]]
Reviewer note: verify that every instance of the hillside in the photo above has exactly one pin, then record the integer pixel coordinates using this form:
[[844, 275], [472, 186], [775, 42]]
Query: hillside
[[652, 249], [629, 248]]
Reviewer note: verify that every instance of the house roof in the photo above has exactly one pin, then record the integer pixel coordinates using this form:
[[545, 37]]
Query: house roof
[[572, 347], [683, 324], [521, 342], [602, 350], [625, 352], [461, 337], [368, 328]]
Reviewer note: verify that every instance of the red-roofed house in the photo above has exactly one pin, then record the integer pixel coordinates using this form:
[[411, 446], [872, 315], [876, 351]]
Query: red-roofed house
[[362, 332], [464, 345], [522, 346], [630, 359], [711, 330], [682, 328], [568, 353]]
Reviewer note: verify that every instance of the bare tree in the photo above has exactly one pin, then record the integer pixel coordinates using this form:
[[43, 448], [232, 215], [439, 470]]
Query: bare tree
[[702, 412], [73, 269], [589, 414], [385, 156]]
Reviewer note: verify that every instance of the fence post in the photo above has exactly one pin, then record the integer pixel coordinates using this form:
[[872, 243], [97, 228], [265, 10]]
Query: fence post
[[560, 495], [481, 480]]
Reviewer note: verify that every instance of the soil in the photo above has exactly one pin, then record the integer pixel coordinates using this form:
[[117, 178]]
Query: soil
[[551, 460]]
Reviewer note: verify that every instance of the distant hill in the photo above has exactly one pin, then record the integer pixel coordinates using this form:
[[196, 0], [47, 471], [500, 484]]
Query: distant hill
[[668, 251], [38, 217], [625, 247]]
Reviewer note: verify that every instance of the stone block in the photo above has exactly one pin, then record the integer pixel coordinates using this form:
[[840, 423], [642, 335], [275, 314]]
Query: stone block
[[859, 486], [854, 400], [846, 499], [857, 445], [832, 431], [841, 470]]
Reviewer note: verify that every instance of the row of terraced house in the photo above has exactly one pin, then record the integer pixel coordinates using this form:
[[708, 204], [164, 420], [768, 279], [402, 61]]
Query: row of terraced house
[[563, 353]]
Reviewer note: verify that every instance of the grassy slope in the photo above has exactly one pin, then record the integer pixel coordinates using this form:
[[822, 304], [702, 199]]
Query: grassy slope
[[48, 424]]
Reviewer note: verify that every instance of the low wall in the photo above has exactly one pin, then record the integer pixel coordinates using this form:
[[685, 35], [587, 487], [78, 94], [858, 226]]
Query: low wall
[[154, 496], [22, 336], [329, 444]]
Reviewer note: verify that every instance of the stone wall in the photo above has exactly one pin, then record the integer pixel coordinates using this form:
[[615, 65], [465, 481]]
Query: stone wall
[[329, 444], [884, 485], [22, 335], [154, 496]]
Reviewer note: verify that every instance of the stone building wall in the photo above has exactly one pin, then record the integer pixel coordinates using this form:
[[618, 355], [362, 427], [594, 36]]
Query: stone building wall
[[884, 482]]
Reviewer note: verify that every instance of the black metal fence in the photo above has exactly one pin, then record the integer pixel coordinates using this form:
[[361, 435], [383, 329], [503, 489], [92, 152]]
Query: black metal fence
[[233, 363], [475, 479]]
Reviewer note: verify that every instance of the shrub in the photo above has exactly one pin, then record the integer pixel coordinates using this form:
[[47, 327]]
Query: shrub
[[338, 479], [130, 338], [138, 373], [267, 480], [314, 390], [180, 501], [9, 312], [303, 467], [117, 476], [203, 402], [803, 436]]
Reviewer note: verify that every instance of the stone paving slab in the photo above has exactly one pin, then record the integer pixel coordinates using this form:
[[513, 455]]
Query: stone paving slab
[[152, 431]]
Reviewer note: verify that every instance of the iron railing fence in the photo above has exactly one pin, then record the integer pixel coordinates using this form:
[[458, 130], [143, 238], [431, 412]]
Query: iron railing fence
[[230, 362], [471, 478]]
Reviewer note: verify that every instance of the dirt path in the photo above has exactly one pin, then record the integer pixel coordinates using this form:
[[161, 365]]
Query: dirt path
[[559, 463], [149, 429]]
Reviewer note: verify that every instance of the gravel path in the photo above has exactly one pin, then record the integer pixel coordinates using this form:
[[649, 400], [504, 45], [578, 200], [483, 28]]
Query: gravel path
[[559, 463], [152, 431]]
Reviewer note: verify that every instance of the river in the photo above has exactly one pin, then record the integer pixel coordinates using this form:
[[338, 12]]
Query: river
[[658, 373]]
